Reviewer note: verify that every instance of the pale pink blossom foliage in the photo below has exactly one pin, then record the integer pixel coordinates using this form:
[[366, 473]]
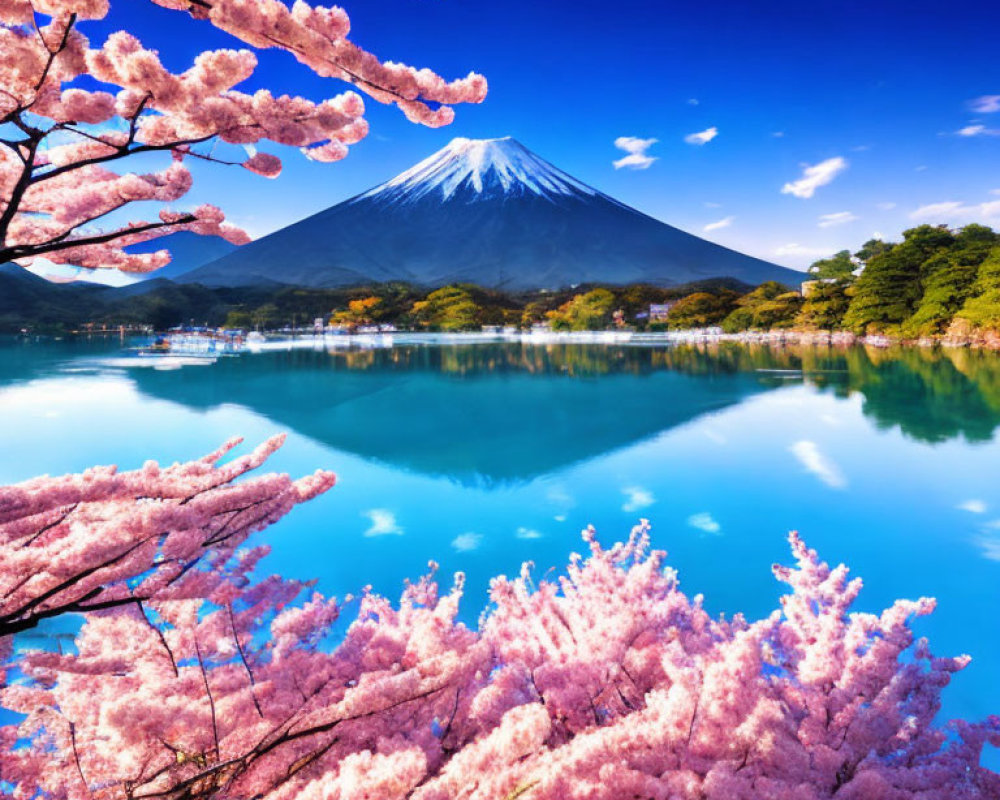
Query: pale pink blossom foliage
[[61, 140], [608, 683], [106, 539]]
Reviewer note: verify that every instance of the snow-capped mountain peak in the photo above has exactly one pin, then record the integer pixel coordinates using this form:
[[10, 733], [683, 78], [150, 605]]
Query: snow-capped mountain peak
[[476, 169]]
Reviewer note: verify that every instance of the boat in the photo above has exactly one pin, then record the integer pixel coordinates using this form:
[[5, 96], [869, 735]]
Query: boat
[[195, 343]]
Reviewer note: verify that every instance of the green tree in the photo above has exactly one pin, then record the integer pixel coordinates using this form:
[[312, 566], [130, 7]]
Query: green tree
[[585, 312], [982, 309], [239, 318], [779, 312], [448, 309], [890, 287], [534, 311], [742, 317], [872, 248], [702, 309], [838, 266], [825, 307], [265, 316]]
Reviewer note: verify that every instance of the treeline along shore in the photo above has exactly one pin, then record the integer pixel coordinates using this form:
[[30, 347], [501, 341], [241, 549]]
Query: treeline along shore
[[936, 285]]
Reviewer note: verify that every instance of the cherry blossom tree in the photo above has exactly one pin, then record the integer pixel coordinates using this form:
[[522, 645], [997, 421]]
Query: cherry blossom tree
[[71, 113], [105, 540], [606, 683]]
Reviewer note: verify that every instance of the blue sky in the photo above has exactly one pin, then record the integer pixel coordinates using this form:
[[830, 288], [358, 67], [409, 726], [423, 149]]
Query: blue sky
[[883, 86]]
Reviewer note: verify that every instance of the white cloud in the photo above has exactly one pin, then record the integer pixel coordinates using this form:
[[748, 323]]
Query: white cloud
[[956, 211], [973, 506], [559, 518], [528, 533], [977, 130], [694, 101], [636, 149], [709, 204], [637, 498], [818, 464], [987, 104], [722, 223], [885, 206], [704, 522], [840, 218], [778, 134], [383, 523], [794, 249], [990, 545], [921, 168], [815, 176], [994, 191], [466, 541], [702, 137]]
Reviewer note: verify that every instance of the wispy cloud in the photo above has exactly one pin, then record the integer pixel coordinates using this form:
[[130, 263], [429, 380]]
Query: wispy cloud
[[815, 176], [987, 104], [793, 249], [955, 210], [814, 461], [973, 506], [528, 533], [977, 129], [722, 223], [704, 522], [694, 101], [466, 542], [989, 540], [885, 206], [636, 149], [778, 134], [636, 498], [383, 523], [839, 218], [702, 137]]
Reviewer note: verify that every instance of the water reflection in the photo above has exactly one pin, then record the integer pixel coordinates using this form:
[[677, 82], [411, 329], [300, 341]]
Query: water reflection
[[478, 414], [496, 413]]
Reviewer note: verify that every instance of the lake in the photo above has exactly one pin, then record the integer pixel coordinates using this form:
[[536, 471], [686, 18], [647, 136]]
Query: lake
[[481, 456]]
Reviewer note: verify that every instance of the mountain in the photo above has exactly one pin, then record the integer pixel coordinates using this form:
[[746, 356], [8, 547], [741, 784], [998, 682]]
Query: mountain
[[20, 290], [187, 251], [488, 212]]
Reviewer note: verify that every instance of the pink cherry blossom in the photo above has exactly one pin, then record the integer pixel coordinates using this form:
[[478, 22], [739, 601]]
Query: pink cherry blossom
[[192, 677], [62, 194]]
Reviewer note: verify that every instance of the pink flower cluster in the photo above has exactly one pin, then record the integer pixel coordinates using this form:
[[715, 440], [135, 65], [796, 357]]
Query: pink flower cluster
[[56, 185], [606, 683], [104, 539]]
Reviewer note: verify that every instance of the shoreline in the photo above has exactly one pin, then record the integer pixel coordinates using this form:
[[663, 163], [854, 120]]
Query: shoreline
[[978, 341]]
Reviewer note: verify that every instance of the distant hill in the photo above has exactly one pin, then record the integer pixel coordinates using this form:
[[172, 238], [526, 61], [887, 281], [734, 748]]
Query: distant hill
[[187, 252], [488, 212], [25, 298]]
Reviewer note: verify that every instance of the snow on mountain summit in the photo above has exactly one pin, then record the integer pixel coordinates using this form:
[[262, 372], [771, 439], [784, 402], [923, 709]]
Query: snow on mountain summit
[[488, 212], [479, 169]]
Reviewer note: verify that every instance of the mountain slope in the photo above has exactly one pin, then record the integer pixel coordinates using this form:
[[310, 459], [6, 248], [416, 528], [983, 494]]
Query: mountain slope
[[488, 212], [187, 251]]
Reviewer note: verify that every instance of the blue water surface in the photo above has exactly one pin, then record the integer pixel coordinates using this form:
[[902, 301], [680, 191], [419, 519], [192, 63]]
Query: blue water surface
[[482, 456]]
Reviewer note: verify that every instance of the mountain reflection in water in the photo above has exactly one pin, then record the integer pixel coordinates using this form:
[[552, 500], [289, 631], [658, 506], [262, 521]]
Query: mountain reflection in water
[[481, 412]]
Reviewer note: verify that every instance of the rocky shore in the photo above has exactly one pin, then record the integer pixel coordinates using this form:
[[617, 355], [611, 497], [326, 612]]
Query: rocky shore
[[958, 335]]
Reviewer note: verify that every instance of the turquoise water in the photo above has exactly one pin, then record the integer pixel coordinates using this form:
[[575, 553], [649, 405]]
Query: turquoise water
[[483, 456]]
